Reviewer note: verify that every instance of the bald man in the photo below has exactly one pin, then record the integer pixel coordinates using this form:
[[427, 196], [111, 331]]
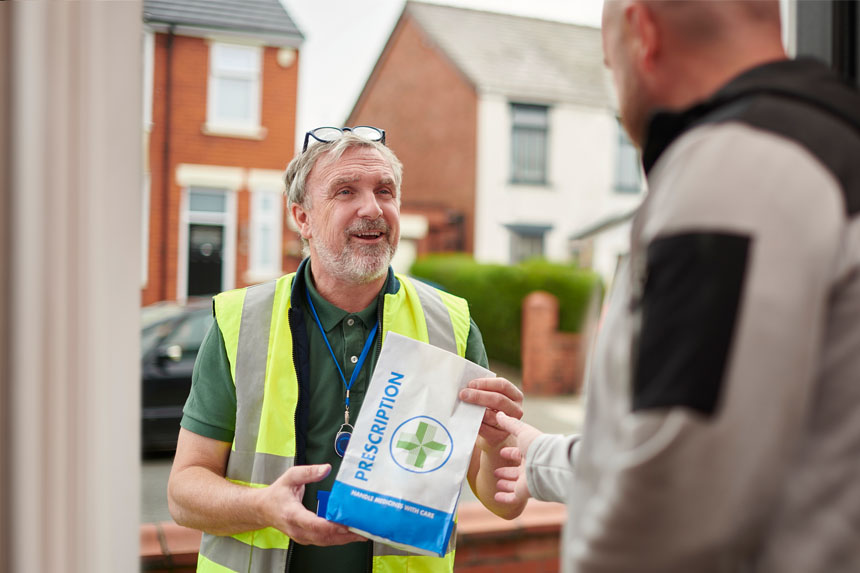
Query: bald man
[[723, 420]]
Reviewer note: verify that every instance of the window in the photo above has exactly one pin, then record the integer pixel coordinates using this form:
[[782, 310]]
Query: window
[[529, 125], [582, 252], [628, 173], [234, 88], [525, 247], [148, 67], [527, 241], [266, 233], [205, 200]]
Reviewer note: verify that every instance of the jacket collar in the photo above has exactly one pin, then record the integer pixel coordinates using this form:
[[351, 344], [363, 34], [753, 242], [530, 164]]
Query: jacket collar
[[804, 79]]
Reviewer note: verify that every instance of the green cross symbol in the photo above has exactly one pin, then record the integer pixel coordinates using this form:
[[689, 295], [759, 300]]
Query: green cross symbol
[[421, 445]]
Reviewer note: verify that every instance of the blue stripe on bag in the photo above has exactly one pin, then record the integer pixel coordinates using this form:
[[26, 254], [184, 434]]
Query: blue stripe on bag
[[391, 518]]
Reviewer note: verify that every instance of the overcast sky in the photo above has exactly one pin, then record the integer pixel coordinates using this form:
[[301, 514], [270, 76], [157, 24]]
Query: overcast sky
[[343, 39]]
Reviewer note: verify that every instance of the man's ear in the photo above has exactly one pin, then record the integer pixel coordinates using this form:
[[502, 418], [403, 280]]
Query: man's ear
[[643, 29], [302, 220]]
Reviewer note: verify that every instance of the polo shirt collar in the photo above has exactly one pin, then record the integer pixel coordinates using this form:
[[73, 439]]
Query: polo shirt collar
[[330, 315]]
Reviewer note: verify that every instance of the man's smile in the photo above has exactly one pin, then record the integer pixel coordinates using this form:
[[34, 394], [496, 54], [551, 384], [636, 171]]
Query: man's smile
[[368, 231], [370, 237]]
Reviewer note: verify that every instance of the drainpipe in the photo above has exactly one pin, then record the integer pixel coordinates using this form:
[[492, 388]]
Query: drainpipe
[[165, 165]]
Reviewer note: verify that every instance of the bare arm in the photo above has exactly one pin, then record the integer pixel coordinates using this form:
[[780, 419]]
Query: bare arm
[[200, 497], [496, 395]]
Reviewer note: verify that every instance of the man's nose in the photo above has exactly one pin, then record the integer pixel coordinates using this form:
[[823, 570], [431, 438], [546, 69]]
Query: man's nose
[[369, 207]]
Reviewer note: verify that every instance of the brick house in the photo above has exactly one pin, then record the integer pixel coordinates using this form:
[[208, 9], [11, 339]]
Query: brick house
[[507, 129], [220, 89]]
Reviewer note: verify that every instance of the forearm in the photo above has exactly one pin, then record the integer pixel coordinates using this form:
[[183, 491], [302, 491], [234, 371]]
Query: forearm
[[201, 499], [550, 466], [483, 481]]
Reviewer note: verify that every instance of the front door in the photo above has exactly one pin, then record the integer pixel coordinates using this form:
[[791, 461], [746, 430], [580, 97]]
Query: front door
[[205, 259]]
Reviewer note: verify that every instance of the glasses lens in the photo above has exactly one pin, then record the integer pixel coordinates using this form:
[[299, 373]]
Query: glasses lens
[[367, 132], [326, 134]]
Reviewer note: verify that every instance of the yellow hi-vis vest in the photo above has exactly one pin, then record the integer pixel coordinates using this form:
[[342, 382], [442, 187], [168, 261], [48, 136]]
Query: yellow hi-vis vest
[[255, 325]]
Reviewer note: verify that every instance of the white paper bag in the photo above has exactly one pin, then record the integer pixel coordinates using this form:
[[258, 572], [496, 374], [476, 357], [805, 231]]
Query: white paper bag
[[400, 478]]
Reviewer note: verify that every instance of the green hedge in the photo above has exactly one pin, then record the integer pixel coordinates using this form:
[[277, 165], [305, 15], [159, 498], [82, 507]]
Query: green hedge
[[495, 294]]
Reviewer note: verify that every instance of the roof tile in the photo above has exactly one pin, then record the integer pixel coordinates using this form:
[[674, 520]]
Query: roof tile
[[522, 58], [255, 17]]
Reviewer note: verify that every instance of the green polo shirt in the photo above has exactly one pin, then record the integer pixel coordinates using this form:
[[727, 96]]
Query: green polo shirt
[[211, 407]]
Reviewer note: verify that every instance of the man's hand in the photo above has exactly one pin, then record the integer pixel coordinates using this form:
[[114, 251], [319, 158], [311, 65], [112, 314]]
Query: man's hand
[[283, 503], [511, 485], [496, 395], [200, 497]]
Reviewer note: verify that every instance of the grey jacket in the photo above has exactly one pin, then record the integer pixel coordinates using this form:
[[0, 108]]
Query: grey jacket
[[722, 430]]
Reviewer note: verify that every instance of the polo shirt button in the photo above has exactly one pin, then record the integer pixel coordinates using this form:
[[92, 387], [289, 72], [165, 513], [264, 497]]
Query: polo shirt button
[[350, 321], [353, 359]]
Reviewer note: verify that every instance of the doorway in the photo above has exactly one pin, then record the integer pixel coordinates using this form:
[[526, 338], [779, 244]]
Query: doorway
[[207, 244], [205, 259]]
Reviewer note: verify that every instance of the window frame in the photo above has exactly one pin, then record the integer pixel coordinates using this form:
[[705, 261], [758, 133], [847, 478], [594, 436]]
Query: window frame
[[522, 232], [275, 217], [518, 174], [217, 71], [226, 218], [624, 147]]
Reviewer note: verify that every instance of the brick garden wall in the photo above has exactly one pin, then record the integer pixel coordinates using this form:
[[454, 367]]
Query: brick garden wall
[[553, 361]]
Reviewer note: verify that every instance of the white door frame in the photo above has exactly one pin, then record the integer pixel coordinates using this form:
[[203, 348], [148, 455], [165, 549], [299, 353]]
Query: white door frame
[[260, 182], [228, 180]]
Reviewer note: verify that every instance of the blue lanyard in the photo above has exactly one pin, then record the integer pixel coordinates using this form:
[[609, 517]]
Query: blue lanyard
[[358, 364]]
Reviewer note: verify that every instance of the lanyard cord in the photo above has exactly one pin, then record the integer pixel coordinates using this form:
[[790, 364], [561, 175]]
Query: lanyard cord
[[361, 358]]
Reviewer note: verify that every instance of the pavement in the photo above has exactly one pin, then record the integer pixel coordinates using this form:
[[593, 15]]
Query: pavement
[[551, 414], [153, 489]]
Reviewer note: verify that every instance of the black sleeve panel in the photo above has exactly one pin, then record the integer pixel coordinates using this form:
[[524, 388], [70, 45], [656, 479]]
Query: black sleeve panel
[[689, 307]]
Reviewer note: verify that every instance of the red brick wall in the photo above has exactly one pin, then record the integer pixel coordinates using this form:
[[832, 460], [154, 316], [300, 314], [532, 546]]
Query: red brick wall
[[188, 144], [429, 111], [553, 362]]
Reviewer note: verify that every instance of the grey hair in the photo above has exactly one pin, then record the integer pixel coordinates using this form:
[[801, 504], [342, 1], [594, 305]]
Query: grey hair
[[296, 176]]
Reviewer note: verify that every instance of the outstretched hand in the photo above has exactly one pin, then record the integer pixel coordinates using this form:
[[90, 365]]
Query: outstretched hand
[[283, 500], [511, 486]]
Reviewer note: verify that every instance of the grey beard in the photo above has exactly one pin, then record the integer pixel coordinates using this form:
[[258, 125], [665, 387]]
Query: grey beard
[[359, 264]]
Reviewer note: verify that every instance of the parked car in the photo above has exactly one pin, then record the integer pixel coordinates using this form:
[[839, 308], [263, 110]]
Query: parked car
[[170, 336]]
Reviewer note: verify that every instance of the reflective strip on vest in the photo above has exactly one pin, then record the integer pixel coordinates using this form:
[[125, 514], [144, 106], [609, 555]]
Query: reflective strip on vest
[[245, 463], [251, 363], [440, 331], [257, 467], [240, 557]]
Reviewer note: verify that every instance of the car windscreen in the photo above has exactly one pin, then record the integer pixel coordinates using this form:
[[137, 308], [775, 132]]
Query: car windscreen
[[150, 335], [190, 332], [159, 312]]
